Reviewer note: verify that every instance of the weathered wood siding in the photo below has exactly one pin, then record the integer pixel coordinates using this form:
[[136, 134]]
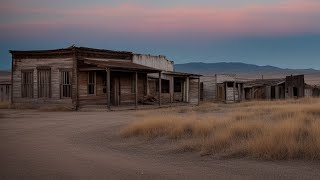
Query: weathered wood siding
[[5, 92], [209, 88], [194, 91], [158, 62], [55, 66]]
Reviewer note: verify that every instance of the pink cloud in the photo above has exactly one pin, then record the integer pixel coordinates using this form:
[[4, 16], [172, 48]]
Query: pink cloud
[[291, 16]]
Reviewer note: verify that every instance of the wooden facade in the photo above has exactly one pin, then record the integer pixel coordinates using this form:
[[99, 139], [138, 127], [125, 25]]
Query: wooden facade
[[5, 91], [78, 77], [222, 88], [275, 89]]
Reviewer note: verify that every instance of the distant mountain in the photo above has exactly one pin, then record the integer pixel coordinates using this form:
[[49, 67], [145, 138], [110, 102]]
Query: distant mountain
[[5, 75], [234, 68], [243, 70]]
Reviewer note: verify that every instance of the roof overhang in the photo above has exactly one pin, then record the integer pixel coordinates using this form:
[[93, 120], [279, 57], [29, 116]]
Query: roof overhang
[[119, 65]]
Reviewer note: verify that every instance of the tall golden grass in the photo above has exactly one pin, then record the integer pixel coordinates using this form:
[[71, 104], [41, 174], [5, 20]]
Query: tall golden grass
[[273, 130]]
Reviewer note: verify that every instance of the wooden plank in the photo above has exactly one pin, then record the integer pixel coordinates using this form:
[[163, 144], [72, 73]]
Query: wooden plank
[[199, 91], [159, 89], [136, 89], [108, 88]]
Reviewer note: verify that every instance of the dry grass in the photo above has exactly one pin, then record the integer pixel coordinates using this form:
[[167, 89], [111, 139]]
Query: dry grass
[[4, 105], [267, 130]]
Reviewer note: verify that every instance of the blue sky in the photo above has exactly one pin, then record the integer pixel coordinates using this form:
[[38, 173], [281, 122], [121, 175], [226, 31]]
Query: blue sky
[[284, 33]]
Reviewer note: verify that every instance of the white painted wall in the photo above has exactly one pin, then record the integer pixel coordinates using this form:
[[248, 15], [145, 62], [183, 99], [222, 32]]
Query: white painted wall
[[158, 62]]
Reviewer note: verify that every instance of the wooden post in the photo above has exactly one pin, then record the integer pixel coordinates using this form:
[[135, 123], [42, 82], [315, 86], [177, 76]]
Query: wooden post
[[171, 89], [108, 88], [136, 89], [159, 89], [187, 89], [234, 91], [199, 90]]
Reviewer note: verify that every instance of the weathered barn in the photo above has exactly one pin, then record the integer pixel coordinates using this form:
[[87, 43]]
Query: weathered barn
[[5, 90], [295, 86], [78, 76], [265, 89], [222, 88], [311, 91], [270, 89]]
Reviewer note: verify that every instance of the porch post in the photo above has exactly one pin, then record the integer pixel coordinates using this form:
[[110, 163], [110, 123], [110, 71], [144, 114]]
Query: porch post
[[108, 88], [171, 89], [136, 89], [199, 91], [159, 89]]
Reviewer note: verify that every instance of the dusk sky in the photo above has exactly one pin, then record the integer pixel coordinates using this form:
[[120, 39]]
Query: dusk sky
[[283, 33]]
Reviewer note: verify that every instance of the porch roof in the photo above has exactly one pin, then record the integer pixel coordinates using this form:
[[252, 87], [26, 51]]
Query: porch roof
[[263, 82], [120, 65], [181, 74]]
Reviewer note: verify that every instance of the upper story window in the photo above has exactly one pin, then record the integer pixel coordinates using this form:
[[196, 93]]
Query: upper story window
[[27, 84]]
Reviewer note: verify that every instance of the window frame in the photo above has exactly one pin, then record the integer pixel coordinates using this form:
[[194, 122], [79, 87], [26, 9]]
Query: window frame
[[94, 83], [24, 93], [44, 83], [63, 73]]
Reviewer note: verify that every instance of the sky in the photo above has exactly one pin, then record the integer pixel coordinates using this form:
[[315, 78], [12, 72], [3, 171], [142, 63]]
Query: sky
[[282, 33]]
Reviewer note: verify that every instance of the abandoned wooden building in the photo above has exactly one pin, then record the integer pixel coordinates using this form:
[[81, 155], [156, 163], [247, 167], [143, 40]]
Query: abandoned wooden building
[[270, 89], [222, 88], [79, 76], [311, 90], [5, 90]]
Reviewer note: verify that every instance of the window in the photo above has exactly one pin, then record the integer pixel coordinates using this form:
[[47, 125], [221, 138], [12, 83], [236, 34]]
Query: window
[[44, 83], [65, 84], [177, 85], [91, 82], [165, 84], [229, 84], [7, 90], [27, 84]]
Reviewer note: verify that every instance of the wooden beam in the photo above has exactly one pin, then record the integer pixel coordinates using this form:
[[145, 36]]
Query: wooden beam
[[159, 89], [108, 88], [136, 89]]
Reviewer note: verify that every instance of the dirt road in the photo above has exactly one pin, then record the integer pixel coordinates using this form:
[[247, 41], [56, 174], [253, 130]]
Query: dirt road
[[87, 145]]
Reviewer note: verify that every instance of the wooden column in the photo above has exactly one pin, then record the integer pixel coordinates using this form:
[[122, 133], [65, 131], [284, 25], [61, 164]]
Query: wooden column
[[159, 89], [136, 89], [234, 91], [171, 89], [199, 90], [108, 88], [187, 89]]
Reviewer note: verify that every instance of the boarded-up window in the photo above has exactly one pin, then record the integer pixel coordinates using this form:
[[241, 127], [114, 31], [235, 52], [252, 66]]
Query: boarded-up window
[[65, 84], [91, 82], [27, 84], [44, 83]]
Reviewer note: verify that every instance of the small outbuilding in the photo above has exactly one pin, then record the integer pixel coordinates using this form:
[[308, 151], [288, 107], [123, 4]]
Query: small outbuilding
[[5, 90]]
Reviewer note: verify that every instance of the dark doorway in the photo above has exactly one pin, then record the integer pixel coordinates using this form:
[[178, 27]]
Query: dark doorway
[[273, 92], [295, 92]]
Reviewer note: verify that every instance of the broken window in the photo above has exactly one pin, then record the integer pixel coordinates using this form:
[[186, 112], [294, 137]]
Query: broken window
[[91, 82], [27, 84], [44, 83], [177, 85], [65, 84], [165, 84], [229, 84]]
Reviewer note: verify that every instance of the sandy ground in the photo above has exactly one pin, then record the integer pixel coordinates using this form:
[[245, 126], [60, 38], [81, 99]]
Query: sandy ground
[[87, 145]]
